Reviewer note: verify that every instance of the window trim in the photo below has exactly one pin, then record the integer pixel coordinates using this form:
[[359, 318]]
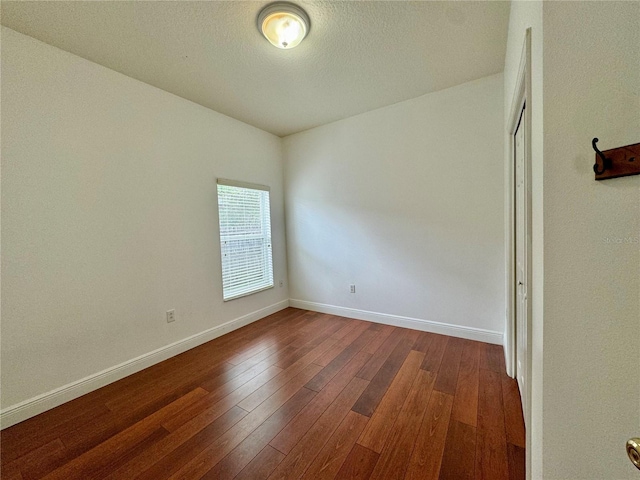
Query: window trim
[[252, 186], [235, 183]]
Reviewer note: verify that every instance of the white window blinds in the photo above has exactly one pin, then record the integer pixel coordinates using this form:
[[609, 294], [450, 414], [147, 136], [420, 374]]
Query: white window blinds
[[245, 238]]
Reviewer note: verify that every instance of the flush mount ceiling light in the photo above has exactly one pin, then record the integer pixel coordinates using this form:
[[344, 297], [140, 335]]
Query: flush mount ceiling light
[[283, 24]]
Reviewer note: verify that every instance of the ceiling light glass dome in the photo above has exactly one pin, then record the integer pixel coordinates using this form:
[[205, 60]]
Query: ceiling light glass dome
[[284, 24]]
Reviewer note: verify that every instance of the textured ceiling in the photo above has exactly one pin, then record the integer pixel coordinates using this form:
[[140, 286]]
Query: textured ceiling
[[359, 55]]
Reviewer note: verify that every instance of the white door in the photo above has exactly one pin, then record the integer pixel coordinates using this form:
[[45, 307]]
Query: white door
[[521, 260]]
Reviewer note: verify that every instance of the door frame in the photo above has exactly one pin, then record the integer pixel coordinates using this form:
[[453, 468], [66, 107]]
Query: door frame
[[522, 98]]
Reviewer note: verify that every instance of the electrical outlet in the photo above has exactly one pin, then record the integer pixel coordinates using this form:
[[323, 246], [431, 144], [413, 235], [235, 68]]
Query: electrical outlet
[[281, 283], [352, 288], [171, 316]]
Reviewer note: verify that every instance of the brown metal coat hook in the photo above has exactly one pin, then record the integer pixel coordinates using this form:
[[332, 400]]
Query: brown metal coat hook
[[606, 162]]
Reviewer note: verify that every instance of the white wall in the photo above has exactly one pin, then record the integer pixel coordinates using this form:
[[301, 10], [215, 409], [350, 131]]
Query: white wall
[[109, 216], [524, 15], [591, 241], [405, 202]]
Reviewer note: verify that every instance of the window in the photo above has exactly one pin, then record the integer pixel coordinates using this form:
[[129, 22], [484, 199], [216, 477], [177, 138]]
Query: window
[[245, 238]]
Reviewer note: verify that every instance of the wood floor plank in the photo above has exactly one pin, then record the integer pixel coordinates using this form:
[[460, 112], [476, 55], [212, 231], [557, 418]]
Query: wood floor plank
[[218, 389], [423, 342], [216, 451], [433, 358], [289, 396], [304, 453], [245, 452], [88, 463], [190, 366], [381, 354], [331, 353], [370, 398], [128, 386], [465, 403], [257, 397], [325, 375], [348, 327], [153, 390], [426, 458], [289, 321], [307, 346], [375, 434], [513, 417], [491, 453], [458, 461], [396, 454], [281, 347], [271, 355], [517, 469], [212, 425], [163, 466], [35, 432], [210, 407], [283, 332], [211, 353], [298, 427], [262, 465], [39, 462], [280, 340], [359, 464], [130, 416], [10, 471], [384, 333], [212, 365], [278, 337], [343, 344], [89, 435], [99, 473], [492, 358], [333, 454], [447, 379], [73, 415]]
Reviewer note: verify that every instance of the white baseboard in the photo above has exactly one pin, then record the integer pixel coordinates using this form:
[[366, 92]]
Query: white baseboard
[[46, 401], [479, 334]]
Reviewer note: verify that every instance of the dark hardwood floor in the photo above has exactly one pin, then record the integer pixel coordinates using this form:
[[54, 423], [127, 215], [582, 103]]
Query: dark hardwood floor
[[295, 395]]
